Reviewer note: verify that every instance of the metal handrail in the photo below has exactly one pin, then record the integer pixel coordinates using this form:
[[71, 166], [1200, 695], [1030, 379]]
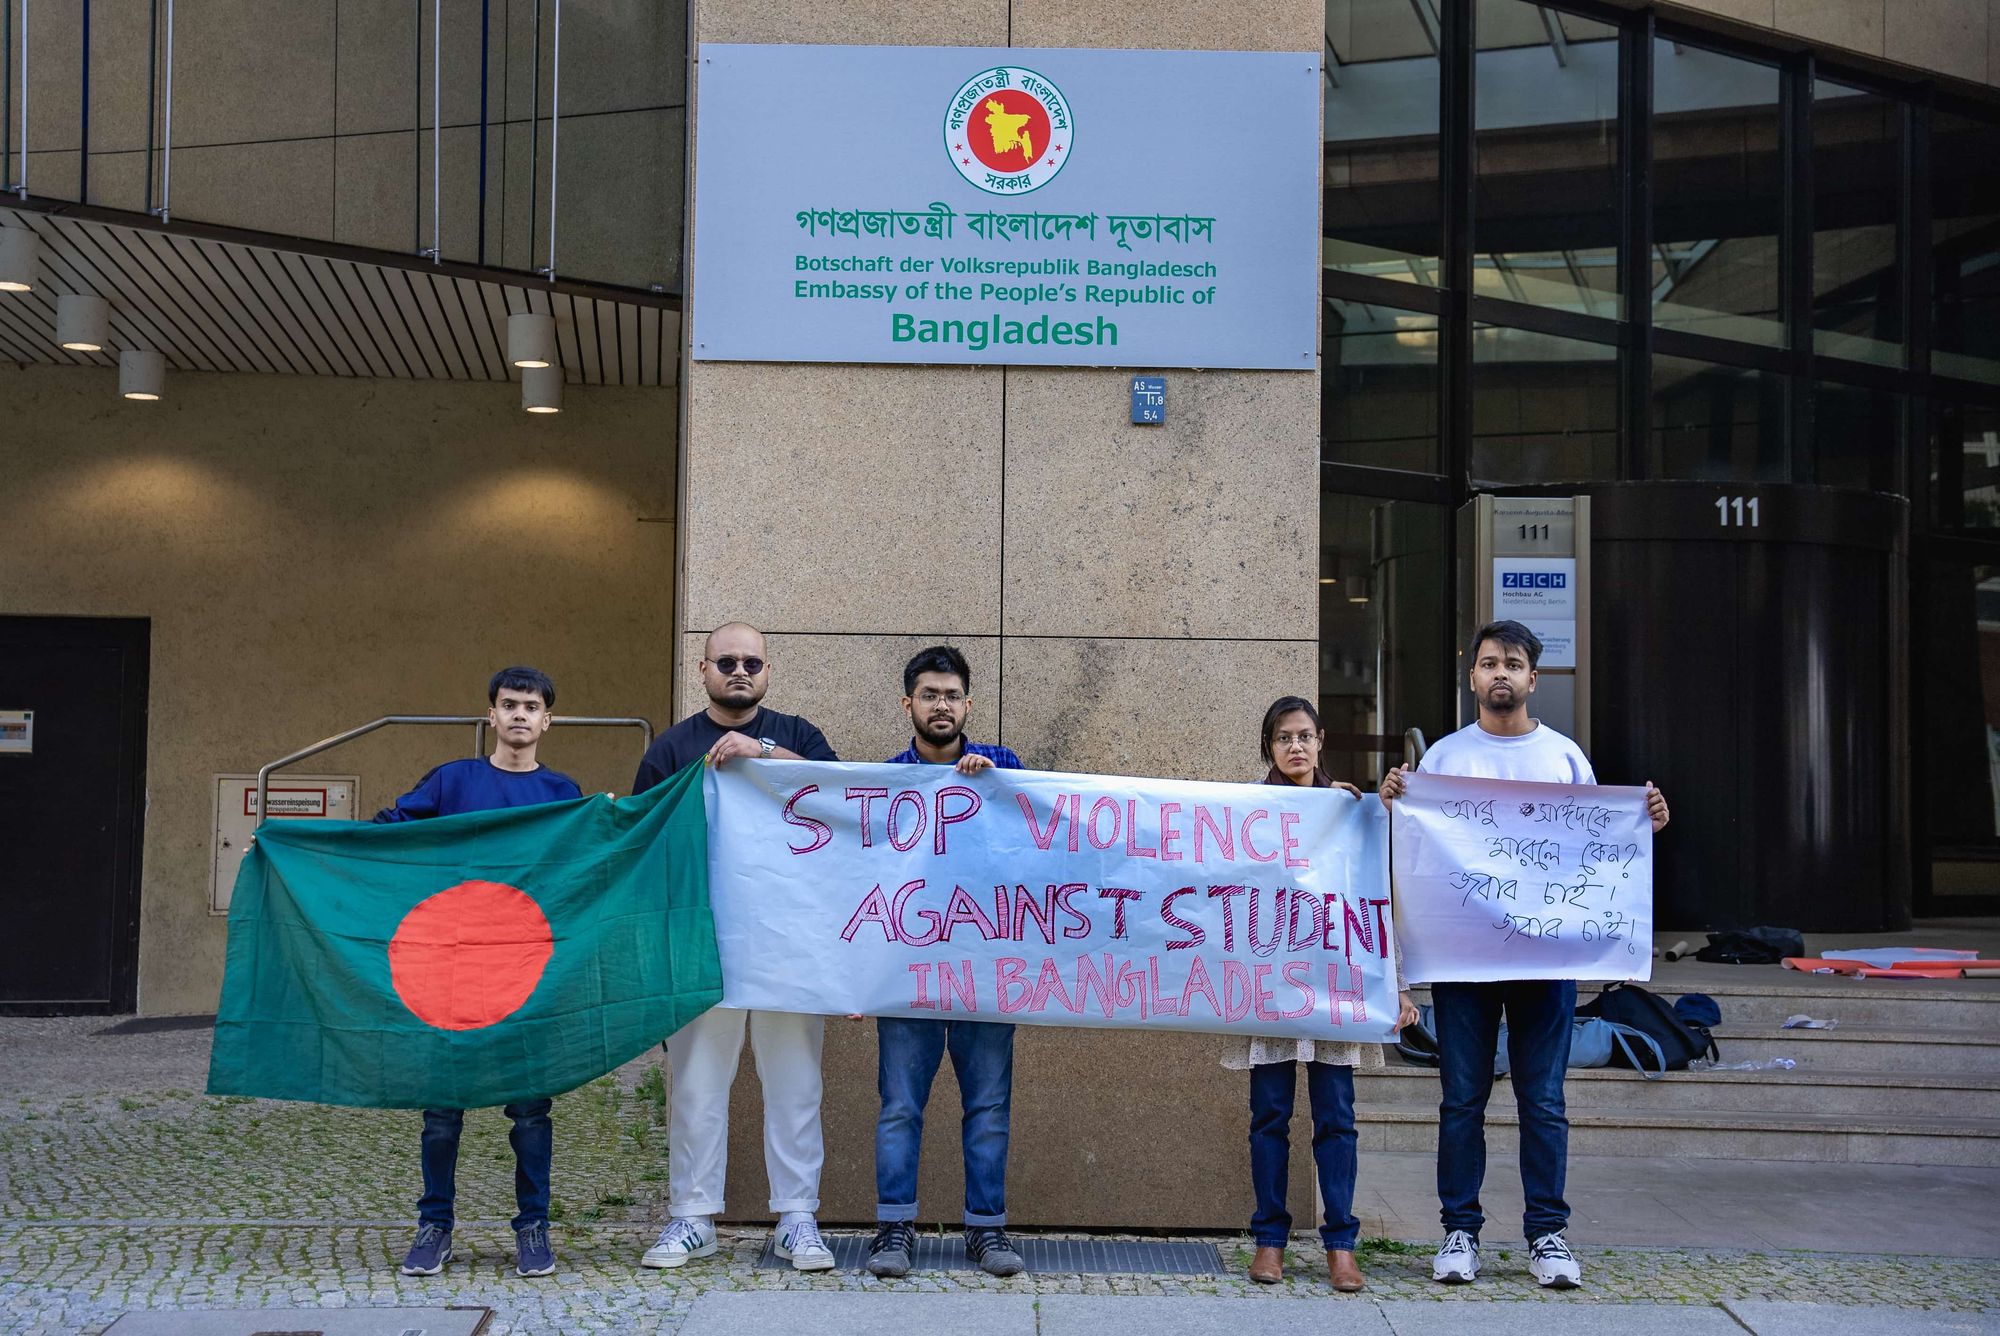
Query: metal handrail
[[478, 721], [1414, 746]]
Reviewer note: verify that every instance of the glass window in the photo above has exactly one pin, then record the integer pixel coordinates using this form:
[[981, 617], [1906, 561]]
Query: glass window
[[1958, 715], [1384, 608], [1965, 247], [1544, 409], [1381, 213], [1718, 194], [1546, 158], [1965, 465], [1857, 437], [1379, 391], [1857, 141], [1717, 423]]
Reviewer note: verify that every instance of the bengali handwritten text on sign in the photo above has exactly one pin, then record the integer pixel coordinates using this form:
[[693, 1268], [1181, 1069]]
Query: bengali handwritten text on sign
[[1051, 899], [1503, 880]]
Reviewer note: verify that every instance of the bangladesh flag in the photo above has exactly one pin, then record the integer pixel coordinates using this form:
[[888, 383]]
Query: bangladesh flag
[[466, 961]]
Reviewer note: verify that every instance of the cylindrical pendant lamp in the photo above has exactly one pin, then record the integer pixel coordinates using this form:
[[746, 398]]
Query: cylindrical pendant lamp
[[541, 389], [531, 339], [20, 255], [83, 322], [141, 374]]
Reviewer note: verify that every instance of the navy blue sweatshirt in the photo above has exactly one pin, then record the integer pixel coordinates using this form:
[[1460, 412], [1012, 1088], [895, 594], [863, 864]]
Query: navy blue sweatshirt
[[477, 785]]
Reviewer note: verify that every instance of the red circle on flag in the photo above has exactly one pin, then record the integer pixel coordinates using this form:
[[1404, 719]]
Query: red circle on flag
[[469, 956], [1009, 130]]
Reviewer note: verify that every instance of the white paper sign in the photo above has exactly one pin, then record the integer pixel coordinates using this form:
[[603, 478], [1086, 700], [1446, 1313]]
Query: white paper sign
[[1530, 588], [1497, 879], [17, 731], [1051, 899]]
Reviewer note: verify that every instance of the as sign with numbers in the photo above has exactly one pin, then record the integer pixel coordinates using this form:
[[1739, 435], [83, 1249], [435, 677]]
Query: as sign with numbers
[[1737, 512]]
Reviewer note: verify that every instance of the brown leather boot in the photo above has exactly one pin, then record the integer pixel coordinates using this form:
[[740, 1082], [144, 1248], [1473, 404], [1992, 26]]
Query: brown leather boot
[[1268, 1266], [1344, 1274]]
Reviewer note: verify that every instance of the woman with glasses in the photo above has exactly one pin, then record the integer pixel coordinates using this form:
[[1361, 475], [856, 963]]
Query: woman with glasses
[[1291, 742]]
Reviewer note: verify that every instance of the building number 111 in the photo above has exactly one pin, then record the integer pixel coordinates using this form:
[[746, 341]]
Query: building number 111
[[1732, 510]]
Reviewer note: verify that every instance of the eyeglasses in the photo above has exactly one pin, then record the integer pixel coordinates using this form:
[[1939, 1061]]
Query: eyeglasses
[[1283, 740], [929, 697], [727, 665]]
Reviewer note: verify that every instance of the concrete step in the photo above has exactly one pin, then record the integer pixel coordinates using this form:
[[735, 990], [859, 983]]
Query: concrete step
[[1766, 995], [1713, 1135], [1867, 1094]]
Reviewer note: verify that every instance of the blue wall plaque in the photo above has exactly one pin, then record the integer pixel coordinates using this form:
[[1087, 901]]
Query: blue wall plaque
[[1149, 399]]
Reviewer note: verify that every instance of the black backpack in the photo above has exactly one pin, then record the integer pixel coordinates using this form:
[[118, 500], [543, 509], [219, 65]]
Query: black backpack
[[1652, 1015]]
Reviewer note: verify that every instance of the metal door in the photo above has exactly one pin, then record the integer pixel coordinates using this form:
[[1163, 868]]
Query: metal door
[[71, 813]]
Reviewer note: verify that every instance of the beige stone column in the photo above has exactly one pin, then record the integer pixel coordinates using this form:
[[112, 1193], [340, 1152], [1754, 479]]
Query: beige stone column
[[1130, 600]]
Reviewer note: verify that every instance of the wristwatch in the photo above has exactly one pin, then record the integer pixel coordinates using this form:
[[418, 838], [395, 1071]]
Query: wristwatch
[[765, 746]]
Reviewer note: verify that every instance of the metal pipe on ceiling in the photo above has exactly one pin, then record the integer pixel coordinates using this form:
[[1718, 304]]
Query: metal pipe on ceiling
[[167, 128], [555, 121]]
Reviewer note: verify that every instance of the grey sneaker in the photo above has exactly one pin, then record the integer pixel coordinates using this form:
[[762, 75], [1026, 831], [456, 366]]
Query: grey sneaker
[[889, 1251], [532, 1254], [429, 1253], [1554, 1266], [1457, 1260], [989, 1246]]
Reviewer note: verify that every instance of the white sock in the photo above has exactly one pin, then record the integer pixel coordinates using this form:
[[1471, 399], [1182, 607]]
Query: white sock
[[790, 1218], [705, 1223]]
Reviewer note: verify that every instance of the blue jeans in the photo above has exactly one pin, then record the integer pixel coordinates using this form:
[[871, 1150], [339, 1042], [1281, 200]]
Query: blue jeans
[[534, 1149], [1273, 1086], [1540, 1013], [907, 1056]]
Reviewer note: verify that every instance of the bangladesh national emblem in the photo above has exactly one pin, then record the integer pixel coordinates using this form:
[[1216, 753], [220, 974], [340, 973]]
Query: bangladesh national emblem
[[1008, 130]]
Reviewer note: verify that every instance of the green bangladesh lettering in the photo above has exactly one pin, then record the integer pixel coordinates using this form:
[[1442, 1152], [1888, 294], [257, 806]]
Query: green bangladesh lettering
[[996, 331]]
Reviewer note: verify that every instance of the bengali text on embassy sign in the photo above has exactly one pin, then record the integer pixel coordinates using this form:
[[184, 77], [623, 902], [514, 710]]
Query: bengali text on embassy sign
[[920, 204]]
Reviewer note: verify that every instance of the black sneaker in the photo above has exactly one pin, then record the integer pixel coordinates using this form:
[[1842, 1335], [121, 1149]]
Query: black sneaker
[[989, 1246], [889, 1251]]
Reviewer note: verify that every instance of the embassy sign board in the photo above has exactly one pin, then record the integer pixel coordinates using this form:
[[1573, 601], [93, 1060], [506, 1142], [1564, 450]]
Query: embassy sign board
[[1006, 206]]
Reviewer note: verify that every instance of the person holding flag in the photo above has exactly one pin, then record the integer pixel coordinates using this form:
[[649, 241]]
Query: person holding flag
[[521, 702]]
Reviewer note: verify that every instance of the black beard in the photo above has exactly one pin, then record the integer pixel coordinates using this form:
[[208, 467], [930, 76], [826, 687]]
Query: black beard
[[1512, 703], [928, 732]]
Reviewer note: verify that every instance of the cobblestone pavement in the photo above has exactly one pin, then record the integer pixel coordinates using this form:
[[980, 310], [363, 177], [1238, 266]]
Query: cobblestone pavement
[[119, 1193]]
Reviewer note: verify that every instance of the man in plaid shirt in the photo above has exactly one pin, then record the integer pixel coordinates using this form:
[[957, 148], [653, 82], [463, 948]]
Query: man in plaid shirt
[[937, 695]]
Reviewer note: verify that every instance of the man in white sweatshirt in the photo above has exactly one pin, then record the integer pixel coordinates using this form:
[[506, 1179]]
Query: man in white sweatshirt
[[1505, 743]]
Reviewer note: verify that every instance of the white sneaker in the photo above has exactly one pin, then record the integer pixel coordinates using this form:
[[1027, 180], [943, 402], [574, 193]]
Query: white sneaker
[[1457, 1260], [802, 1245], [1553, 1264], [680, 1242]]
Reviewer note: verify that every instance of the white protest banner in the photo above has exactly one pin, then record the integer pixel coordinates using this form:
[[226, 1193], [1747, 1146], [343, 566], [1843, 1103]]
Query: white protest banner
[[1051, 899], [1497, 879]]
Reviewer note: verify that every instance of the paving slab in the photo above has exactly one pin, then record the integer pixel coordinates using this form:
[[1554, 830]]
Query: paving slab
[[833, 1313], [1794, 1319], [1186, 1315], [1412, 1318]]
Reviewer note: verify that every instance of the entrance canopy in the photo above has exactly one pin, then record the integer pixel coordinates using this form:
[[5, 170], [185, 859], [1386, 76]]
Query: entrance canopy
[[214, 299]]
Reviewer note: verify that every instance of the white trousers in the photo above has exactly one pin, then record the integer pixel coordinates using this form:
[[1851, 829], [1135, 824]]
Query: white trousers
[[703, 1055]]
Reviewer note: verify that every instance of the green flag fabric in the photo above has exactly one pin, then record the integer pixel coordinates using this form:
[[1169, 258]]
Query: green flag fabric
[[466, 961]]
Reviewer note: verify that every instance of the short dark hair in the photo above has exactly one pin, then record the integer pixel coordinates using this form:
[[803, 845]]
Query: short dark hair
[[1508, 633], [518, 678], [1281, 707], [936, 659]]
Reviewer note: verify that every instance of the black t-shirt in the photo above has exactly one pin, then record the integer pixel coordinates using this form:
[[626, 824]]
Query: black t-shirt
[[690, 739]]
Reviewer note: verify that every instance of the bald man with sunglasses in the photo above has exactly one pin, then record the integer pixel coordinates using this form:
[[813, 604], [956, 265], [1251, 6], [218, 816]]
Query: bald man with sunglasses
[[703, 1054]]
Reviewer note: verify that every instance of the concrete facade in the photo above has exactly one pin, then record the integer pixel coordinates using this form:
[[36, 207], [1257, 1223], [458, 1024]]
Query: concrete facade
[[1130, 599], [315, 553]]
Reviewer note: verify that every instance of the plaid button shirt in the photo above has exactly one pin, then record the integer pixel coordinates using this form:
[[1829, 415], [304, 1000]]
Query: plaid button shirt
[[1002, 758]]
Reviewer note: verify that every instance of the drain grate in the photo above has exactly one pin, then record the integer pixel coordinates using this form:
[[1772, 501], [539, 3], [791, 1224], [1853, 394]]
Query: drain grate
[[1089, 1257]]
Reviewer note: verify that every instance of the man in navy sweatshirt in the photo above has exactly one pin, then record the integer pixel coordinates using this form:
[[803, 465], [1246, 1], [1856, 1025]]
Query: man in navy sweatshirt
[[522, 701]]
